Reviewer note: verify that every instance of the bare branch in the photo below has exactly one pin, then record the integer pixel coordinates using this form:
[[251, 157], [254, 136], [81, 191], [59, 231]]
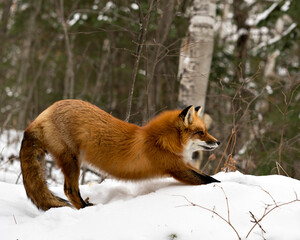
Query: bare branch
[[226, 198], [15, 219], [257, 222], [214, 212], [285, 112], [144, 21]]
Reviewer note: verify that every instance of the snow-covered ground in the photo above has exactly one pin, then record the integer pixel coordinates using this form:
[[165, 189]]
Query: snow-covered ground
[[241, 206], [161, 209]]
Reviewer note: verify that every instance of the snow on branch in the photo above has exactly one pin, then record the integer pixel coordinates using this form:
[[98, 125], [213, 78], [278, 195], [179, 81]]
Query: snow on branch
[[256, 19], [274, 39]]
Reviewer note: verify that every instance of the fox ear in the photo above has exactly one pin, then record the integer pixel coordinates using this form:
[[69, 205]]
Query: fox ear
[[198, 111], [187, 115]]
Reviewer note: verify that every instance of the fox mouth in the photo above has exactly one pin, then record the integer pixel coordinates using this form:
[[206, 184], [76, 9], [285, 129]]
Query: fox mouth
[[208, 148]]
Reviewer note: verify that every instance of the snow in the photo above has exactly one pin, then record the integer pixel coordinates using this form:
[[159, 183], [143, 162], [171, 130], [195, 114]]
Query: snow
[[160, 209], [269, 89], [275, 39], [156, 209], [75, 19], [134, 6], [286, 6], [186, 60], [109, 5], [10, 142], [242, 31], [286, 32], [257, 18]]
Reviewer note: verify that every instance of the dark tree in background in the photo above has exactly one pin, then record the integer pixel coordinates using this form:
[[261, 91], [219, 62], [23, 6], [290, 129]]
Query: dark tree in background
[[51, 50]]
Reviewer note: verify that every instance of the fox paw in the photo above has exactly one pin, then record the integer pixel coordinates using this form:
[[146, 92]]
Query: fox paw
[[87, 202]]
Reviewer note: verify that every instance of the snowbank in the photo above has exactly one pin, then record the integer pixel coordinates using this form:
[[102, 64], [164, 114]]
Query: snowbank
[[161, 209]]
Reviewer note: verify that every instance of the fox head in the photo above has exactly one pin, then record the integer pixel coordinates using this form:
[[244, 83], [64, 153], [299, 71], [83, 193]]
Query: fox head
[[195, 131]]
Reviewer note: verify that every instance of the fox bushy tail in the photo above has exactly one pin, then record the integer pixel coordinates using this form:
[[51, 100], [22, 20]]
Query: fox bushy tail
[[32, 156]]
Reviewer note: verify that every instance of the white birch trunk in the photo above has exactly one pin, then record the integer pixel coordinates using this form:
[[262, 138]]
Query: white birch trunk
[[196, 54]]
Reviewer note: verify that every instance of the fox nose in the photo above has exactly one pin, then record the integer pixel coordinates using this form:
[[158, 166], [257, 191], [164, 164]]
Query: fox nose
[[218, 143]]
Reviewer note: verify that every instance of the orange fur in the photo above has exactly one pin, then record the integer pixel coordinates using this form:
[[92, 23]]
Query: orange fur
[[73, 131]]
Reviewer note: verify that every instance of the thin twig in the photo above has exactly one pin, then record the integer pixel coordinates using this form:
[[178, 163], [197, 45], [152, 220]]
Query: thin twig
[[214, 212], [18, 178], [69, 75], [223, 154], [268, 194], [278, 166], [235, 121], [255, 221], [285, 112], [15, 219], [144, 21], [269, 211], [227, 203]]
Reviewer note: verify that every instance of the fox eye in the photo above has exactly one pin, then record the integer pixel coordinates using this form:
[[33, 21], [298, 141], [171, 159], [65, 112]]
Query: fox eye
[[201, 133]]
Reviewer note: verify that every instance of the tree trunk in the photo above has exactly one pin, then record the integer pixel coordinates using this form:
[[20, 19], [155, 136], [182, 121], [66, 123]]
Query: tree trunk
[[69, 81], [3, 29], [25, 59], [33, 84], [100, 73], [240, 12], [6, 5], [196, 54]]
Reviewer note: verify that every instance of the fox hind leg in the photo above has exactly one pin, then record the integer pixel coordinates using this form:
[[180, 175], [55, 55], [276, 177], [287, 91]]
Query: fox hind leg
[[70, 167], [32, 156]]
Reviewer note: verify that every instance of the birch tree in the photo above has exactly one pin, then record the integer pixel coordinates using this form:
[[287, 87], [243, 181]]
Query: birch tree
[[196, 54]]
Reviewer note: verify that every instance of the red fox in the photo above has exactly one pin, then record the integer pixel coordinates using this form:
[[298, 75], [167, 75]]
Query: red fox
[[73, 131]]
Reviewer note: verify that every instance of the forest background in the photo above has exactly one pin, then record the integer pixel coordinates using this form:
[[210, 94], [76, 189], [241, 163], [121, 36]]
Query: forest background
[[100, 51]]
